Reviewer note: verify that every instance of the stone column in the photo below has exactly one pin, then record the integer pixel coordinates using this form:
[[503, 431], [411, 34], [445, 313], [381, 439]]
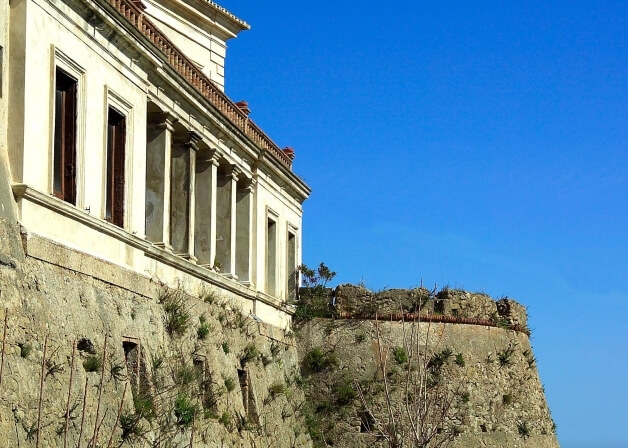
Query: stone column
[[158, 162], [182, 202], [244, 226], [205, 233], [226, 219]]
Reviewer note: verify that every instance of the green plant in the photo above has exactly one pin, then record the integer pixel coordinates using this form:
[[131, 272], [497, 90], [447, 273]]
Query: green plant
[[25, 350], [276, 389], [177, 318], [208, 296], [523, 429], [250, 353], [225, 419], [400, 354], [204, 328], [144, 406], [465, 397], [459, 360], [438, 360], [225, 347], [507, 399], [314, 301], [530, 359], [229, 383], [184, 410], [117, 372], [130, 425], [504, 355], [185, 375], [92, 364], [360, 337], [344, 392], [317, 361]]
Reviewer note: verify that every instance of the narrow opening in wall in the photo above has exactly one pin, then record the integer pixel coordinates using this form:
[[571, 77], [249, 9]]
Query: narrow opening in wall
[[367, 421], [206, 394], [116, 138], [271, 257], [248, 398], [136, 369], [64, 156]]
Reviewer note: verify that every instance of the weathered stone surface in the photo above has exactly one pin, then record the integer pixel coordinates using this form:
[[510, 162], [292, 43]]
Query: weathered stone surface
[[494, 393], [45, 302]]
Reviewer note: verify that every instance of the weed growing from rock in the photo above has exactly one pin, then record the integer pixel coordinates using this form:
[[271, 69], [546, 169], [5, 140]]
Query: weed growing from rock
[[92, 364]]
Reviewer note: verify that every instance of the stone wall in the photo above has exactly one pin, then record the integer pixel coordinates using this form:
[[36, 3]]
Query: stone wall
[[487, 378], [159, 365]]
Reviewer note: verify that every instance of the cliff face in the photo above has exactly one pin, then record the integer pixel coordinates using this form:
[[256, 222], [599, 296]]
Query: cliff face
[[474, 383]]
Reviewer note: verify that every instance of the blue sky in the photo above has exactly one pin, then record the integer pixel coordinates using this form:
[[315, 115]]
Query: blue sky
[[481, 145]]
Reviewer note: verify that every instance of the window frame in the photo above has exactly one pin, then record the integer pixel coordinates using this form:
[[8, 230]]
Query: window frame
[[116, 102], [70, 68]]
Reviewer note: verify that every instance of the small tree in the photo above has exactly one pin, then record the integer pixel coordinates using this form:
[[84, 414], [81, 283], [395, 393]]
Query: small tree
[[422, 407], [314, 300]]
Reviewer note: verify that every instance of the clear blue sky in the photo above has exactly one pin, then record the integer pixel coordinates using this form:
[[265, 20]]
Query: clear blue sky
[[482, 145]]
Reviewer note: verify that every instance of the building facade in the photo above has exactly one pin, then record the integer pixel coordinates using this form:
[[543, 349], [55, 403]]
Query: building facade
[[123, 146]]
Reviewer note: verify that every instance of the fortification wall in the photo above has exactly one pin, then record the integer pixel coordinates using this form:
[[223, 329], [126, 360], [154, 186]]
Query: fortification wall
[[166, 354], [482, 379]]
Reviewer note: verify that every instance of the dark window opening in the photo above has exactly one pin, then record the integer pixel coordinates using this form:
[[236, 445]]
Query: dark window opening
[[136, 370], [271, 256], [64, 156], [367, 421], [248, 398], [206, 394], [116, 137], [291, 265]]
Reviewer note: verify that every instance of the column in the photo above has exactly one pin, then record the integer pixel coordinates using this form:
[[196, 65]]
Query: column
[[226, 219], [244, 226], [158, 161], [182, 186], [205, 219]]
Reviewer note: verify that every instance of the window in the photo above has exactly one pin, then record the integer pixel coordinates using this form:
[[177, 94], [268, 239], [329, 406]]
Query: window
[[271, 256], [64, 155], [116, 137], [291, 266]]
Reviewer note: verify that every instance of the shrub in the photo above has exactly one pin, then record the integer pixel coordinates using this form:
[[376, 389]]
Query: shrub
[[504, 355], [204, 328], [276, 389], [250, 353], [345, 393], [459, 360], [225, 419], [177, 318], [523, 429], [507, 399], [225, 347], [25, 350], [185, 375], [465, 397], [317, 361], [400, 354], [144, 406], [92, 364], [314, 301], [184, 410], [229, 384], [130, 425]]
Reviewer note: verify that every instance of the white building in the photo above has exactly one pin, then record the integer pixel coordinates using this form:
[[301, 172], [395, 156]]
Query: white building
[[123, 146]]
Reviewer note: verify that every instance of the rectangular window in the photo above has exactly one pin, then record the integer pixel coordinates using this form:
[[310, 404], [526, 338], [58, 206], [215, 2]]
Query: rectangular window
[[116, 138], [64, 156], [271, 256], [291, 266]]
